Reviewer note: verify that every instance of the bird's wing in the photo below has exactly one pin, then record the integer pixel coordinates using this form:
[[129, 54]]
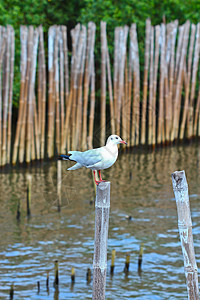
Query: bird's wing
[[86, 158]]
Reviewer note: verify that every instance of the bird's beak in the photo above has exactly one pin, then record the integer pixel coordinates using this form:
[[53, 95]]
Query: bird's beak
[[123, 142]]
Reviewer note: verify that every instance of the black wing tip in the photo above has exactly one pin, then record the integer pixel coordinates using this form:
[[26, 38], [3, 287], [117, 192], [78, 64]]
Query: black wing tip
[[63, 157]]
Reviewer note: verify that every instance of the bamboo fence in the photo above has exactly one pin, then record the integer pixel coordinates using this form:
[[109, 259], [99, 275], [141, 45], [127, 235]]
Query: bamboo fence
[[151, 104]]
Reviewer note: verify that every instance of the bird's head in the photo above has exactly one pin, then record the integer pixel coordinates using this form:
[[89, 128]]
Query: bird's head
[[114, 140]]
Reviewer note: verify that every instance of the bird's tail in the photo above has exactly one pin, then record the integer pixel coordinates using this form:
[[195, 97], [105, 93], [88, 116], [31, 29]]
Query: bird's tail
[[64, 157]]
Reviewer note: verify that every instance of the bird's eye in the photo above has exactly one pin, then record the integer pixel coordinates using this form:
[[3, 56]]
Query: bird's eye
[[111, 138], [116, 138]]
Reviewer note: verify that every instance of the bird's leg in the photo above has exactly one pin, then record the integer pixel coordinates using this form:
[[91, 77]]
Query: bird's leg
[[97, 182], [100, 176]]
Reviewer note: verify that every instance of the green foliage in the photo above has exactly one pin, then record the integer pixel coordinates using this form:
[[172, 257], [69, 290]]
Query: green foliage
[[113, 12]]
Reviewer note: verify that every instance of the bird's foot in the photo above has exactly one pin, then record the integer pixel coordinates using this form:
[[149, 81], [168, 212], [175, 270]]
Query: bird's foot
[[102, 180], [97, 182]]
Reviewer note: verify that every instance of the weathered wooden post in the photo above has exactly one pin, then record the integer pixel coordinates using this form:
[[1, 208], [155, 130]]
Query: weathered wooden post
[[102, 208], [180, 188]]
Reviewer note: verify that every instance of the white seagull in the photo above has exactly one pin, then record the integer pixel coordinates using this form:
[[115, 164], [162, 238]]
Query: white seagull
[[96, 159]]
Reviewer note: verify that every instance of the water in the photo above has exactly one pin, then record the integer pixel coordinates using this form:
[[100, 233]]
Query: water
[[140, 187]]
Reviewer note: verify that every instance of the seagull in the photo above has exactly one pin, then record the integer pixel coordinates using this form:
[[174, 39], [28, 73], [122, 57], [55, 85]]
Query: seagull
[[96, 159]]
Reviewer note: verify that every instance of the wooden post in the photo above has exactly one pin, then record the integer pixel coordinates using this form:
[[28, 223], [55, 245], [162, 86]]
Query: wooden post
[[102, 207], [180, 188], [112, 262]]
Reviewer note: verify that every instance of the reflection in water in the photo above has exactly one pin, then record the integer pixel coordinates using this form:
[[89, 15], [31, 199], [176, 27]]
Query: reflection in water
[[140, 189]]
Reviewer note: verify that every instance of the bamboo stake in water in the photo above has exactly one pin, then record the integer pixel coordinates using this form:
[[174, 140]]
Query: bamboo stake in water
[[102, 207], [88, 276], [12, 292], [56, 280], [112, 262], [72, 276], [180, 188], [127, 263], [140, 259]]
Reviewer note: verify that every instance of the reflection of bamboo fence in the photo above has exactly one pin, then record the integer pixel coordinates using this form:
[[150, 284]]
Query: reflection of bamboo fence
[[162, 107]]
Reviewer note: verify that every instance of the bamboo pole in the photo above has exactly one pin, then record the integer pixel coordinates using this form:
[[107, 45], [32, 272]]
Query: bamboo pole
[[56, 87], [86, 85], [136, 89], [167, 103], [25, 94], [102, 206], [110, 90], [180, 188], [116, 73], [77, 36], [43, 104], [190, 116], [36, 138], [157, 39], [103, 83], [66, 68], [179, 83], [92, 91], [187, 88], [151, 79], [197, 113], [145, 82], [12, 57], [161, 88], [70, 98], [172, 75], [39, 92], [129, 96], [23, 63], [66, 82], [112, 262], [122, 58], [124, 101], [51, 38], [6, 96], [82, 51], [2, 49], [62, 93], [31, 95]]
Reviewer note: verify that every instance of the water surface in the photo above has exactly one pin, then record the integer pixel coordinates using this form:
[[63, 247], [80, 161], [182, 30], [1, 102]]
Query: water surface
[[140, 187]]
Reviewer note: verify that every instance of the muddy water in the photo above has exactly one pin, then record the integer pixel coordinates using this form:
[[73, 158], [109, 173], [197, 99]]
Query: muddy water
[[140, 188]]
